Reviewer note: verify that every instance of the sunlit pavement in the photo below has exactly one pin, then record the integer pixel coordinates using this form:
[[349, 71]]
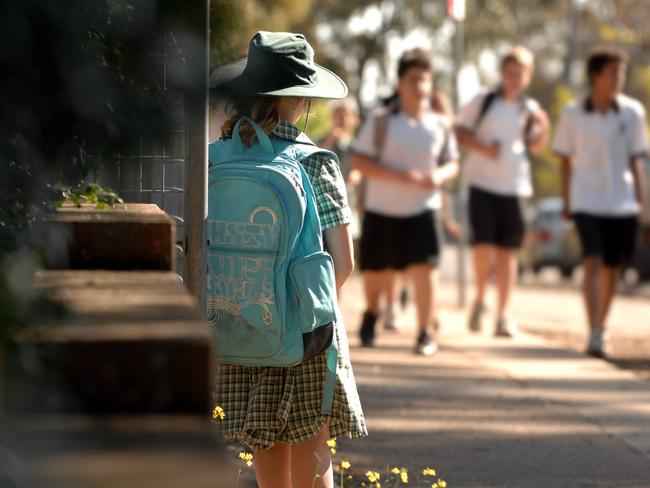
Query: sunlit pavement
[[503, 413]]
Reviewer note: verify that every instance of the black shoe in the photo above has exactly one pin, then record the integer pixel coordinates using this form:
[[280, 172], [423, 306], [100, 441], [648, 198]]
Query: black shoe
[[404, 298], [367, 331], [426, 345]]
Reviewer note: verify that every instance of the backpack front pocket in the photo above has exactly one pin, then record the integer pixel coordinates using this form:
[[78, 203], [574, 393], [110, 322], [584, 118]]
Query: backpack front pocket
[[314, 290]]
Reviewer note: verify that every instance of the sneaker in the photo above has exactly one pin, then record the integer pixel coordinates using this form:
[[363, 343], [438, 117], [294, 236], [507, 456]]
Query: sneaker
[[390, 323], [367, 331], [426, 345], [598, 346], [404, 298], [475, 317], [505, 328]]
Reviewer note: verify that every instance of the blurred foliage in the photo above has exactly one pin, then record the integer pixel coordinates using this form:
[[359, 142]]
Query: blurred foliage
[[560, 33], [81, 88], [92, 193], [81, 83]]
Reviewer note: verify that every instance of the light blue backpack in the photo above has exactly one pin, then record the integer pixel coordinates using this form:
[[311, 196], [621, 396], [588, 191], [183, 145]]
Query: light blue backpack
[[271, 291]]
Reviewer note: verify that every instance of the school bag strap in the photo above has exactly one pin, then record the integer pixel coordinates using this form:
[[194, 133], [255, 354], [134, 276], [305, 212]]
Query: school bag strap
[[263, 139], [488, 101], [381, 128], [303, 148]]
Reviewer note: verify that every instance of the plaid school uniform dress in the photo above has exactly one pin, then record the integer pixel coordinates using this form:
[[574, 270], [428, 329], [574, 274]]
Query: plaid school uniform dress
[[265, 405]]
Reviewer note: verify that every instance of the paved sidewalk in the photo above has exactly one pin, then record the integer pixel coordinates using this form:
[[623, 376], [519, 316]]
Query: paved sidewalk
[[494, 413]]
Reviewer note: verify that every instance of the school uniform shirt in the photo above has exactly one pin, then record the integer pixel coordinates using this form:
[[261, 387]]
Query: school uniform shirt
[[601, 145], [503, 123], [409, 144]]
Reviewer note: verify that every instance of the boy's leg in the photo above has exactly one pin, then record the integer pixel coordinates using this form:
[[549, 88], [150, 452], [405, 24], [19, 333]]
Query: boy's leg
[[375, 284], [424, 278], [506, 277], [394, 284], [592, 248], [482, 255], [590, 290], [619, 241], [483, 219], [273, 466], [510, 227], [311, 464], [607, 289]]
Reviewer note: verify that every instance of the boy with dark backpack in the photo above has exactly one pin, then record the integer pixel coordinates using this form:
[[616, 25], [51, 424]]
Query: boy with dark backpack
[[499, 129], [415, 156], [601, 141]]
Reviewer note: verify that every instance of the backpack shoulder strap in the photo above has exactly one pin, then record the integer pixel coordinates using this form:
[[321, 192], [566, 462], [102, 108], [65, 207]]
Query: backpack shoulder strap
[[486, 103], [302, 148], [381, 128], [525, 108]]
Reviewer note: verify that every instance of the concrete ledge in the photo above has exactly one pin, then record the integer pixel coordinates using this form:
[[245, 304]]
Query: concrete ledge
[[125, 237]]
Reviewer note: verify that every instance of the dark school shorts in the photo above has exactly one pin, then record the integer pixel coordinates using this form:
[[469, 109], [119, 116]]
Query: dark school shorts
[[611, 238], [496, 219], [398, 242]]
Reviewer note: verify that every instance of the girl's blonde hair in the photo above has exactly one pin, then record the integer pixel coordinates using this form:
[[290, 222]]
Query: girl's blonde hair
[[265, 111], [519, 55]]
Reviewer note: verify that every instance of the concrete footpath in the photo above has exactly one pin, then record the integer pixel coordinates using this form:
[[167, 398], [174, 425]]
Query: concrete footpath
[[490, 412]]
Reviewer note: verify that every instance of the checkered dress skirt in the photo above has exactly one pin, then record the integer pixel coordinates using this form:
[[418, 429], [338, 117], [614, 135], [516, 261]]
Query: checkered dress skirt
[[265, 405]]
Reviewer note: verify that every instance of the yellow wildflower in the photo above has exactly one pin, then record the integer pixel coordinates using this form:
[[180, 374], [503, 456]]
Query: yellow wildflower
[[429, 472], [332, 445], [404, 476], [247, 457], [218, 413], [442, 483], [345, 464], [373, 476], [395, 470]]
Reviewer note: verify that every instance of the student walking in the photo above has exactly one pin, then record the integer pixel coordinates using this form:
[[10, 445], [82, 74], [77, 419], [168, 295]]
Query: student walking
[[499, 129], [406, 154], [601, 140], [285, 414]]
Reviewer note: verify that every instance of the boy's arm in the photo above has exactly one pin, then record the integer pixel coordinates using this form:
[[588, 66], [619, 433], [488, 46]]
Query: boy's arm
[[638, 174], [542, 127], [445, 173], [371, 169], [467, 140], [565, 185]]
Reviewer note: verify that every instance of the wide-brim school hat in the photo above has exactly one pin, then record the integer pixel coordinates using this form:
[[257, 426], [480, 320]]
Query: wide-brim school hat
[[279, 64]]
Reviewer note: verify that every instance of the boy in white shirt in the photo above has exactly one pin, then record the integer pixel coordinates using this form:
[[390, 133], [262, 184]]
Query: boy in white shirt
[[499, 129], [417, 155], [601, 141]]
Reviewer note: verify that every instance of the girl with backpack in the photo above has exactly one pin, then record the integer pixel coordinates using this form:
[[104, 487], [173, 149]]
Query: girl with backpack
[[285, 414]]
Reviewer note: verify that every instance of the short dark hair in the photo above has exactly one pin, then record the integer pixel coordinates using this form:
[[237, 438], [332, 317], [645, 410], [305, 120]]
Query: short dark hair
[[601, 56], [414, 58]]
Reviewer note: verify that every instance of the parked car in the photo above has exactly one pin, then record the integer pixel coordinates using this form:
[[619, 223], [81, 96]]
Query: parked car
[[550, 240]]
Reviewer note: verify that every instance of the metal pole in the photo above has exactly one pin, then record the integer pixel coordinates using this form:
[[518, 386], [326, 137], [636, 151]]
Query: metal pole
[[461, 275], [196, 208], [572, 43]]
